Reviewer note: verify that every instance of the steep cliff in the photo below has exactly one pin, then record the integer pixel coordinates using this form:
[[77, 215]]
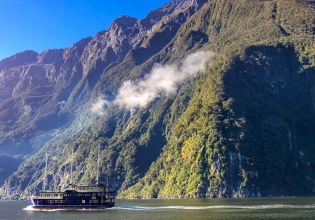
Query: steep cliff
[[199, 99], [246, 131], [53, 95]]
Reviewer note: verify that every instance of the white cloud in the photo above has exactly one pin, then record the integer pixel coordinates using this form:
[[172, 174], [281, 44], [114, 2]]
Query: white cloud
[[162, 80], [99, 106]]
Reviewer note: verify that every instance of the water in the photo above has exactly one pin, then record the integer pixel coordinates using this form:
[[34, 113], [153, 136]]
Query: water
[[192, 209]]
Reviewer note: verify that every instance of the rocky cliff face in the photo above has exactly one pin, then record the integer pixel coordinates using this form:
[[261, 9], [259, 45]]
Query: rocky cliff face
[[235, 137], [42, 93], [224, 132]]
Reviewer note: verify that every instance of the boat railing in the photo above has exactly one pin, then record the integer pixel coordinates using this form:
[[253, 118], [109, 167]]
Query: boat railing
[[44, 197]]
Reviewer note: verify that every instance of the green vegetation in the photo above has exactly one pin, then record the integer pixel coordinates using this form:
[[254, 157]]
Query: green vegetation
[[242, 128], [242, 134]]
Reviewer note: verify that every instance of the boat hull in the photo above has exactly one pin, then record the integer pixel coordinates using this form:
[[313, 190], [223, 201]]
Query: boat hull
[[71, 207], [42, 205]]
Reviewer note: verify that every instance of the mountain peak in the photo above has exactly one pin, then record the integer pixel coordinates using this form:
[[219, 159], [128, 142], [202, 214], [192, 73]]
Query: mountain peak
[[50, 56], [124, 21], [22, 58]]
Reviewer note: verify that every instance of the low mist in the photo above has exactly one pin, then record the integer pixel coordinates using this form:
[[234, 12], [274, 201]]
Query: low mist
[[162, 80]]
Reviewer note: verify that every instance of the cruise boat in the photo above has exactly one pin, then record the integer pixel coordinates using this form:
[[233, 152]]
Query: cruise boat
[[75, 197], [98, 196]]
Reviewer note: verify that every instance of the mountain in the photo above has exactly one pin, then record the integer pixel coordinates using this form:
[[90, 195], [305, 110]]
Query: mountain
[[199, 99]]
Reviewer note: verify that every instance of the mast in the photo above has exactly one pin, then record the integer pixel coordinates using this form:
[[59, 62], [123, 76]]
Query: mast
[[45, 172], [98, 164], [71, 164]]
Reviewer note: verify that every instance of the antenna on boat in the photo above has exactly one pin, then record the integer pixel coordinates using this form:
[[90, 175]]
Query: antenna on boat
[[98, 164], [45, 172], [71, 164]]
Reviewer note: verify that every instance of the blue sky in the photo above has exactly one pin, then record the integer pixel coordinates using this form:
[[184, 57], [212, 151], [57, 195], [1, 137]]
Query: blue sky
[[46, 24]]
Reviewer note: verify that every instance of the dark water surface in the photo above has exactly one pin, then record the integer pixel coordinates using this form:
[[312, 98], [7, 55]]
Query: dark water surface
[[192, 209]]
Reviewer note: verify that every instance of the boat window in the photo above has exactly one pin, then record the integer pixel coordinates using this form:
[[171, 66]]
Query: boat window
[[93, 201]]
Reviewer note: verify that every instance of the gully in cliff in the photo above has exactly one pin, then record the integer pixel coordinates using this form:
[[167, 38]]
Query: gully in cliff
[[98, 196]]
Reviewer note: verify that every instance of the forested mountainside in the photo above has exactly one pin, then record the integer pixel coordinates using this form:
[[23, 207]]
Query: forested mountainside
[[199, 99]]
